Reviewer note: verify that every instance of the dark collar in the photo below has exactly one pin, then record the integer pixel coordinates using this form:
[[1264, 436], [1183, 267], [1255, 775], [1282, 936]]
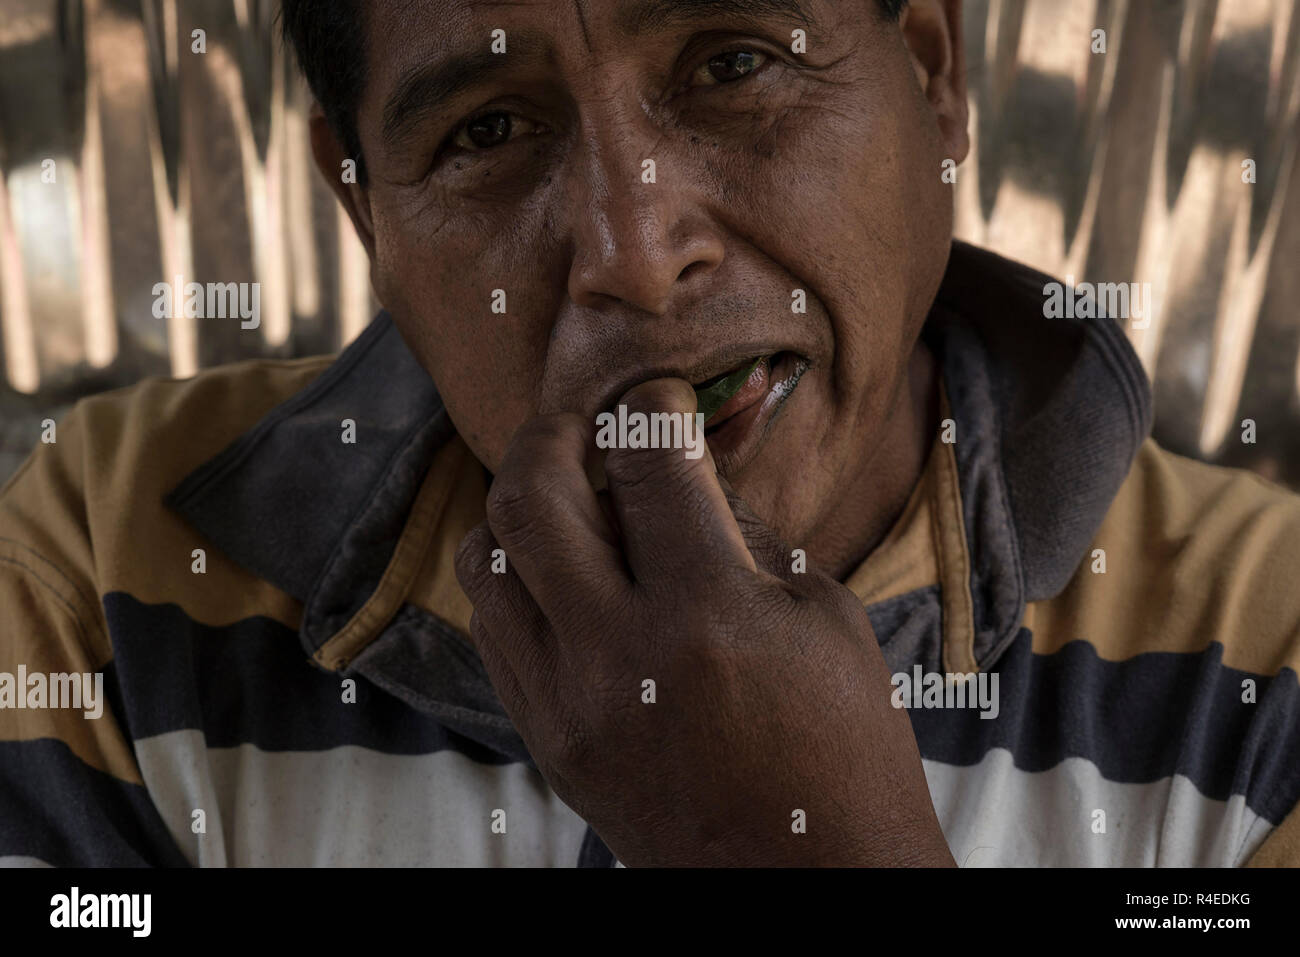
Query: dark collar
[[287, 495], [1049, 414]]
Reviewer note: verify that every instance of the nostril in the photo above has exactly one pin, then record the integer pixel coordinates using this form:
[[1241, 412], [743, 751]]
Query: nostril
[[696, 266]]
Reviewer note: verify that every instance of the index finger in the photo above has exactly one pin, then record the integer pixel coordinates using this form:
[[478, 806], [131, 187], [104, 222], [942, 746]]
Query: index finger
[[672, 512], [543, 511]]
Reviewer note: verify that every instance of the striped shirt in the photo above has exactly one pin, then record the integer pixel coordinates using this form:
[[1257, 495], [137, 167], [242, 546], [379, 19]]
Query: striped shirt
[[286, 677]]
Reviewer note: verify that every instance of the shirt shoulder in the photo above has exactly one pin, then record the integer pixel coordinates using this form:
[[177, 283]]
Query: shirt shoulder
[[1188, 555], [81, 519], [1186, 610], [85, 510]]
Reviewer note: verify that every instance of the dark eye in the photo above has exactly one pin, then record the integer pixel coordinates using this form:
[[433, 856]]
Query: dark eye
[[488, 130], [728, 67]]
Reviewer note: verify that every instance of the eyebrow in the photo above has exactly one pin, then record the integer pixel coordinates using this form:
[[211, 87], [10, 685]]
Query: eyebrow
[[425, 89], [637, 17]]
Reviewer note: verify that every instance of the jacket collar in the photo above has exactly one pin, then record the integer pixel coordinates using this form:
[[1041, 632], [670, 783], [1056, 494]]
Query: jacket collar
[[322, 520], [1049, 414], [294, 503]]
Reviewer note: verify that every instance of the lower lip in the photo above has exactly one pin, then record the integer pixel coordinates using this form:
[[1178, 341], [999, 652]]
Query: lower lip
[[748, 414]]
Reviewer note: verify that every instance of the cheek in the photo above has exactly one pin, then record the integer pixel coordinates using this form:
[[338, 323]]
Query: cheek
[[836, 212], [870, 225], [469, 312]]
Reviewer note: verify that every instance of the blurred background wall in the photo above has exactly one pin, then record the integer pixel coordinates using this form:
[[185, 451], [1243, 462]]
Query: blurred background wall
[[1122, 166]]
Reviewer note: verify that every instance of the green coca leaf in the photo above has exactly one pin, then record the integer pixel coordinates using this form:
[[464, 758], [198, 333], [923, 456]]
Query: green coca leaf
[[710, 399]]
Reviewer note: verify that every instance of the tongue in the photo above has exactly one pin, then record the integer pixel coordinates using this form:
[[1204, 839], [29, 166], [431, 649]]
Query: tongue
[[755, 388]]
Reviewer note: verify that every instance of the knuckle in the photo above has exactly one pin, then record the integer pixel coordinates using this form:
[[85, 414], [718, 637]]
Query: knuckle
[[739, 611], [572, 746], [515, 501], [634, 468], [704, 617], [769, 609], [532, 661]]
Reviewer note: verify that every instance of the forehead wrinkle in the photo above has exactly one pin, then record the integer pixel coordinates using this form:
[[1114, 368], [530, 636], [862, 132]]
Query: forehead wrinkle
[[638, 17], [425, 87], [582, 22]]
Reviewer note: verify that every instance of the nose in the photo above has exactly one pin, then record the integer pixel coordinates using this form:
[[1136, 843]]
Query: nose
[[641, 235]]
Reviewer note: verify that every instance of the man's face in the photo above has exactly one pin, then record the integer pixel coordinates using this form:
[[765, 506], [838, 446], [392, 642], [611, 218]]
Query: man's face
[[780, 179]]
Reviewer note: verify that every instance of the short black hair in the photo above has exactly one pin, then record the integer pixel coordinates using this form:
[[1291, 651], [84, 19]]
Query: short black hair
[[328, 39]]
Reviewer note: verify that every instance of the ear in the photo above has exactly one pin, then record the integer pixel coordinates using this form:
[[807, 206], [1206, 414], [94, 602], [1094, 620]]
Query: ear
[[330, 156], [932, 32]]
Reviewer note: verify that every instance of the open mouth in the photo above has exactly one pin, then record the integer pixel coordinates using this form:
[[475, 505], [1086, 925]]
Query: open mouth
[[763, 380], [739, 404], [713, 394]]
